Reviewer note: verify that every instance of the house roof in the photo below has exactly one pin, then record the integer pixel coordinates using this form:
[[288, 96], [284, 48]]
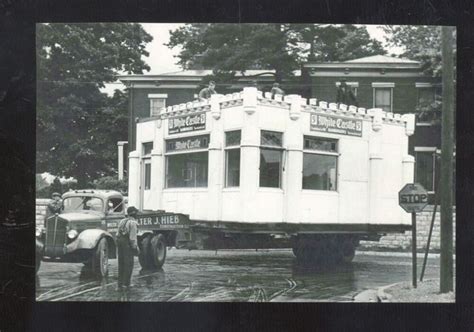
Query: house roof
[[195, 75], [370, 63], [381, 59]]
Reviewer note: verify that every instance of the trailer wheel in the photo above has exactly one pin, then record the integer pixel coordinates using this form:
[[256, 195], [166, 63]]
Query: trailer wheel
[[346, 252], [100, 259], [307, 250], [158, 250], [144, 255]]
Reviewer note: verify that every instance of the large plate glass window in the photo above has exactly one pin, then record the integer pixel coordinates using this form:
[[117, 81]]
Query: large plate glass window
[[320, 163], [187, 162], [271, 156], [232, 158]]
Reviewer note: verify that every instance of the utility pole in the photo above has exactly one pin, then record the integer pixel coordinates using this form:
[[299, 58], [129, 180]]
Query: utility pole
[[446, 259]]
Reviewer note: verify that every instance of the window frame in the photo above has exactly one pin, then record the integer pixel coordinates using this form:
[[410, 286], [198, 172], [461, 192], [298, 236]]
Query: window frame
[[147, 155], [184, 152], [433, 151], [382, 85], [335, 154], [282, 158], [353, 85], [157, 96], [226, 158]]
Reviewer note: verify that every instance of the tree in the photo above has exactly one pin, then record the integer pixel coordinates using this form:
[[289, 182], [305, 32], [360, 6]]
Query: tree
[[329, 43], [236, 47], [421, 43], [77, 125], [280, 47]]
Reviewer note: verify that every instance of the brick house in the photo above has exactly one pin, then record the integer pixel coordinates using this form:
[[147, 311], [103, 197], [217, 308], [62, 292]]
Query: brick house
[[393, 84]]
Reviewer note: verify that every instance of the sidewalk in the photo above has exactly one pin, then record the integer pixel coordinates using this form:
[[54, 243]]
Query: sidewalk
[[427, 292]]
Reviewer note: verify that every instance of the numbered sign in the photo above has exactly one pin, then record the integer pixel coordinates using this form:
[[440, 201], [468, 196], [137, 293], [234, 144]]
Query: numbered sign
[[413, 197]]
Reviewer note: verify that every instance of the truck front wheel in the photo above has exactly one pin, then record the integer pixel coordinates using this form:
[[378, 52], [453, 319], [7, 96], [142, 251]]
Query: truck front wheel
[[158, 250], [100, 259]]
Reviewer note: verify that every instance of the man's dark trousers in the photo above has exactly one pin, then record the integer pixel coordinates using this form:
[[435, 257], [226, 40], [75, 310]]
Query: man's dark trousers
[[125, 261]]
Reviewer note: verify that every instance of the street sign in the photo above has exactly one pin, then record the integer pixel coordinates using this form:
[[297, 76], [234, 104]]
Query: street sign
[[413, 197]]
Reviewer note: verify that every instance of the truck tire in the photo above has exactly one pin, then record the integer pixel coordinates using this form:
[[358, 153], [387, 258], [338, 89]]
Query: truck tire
[[100, 259], [346, 252], [144, 256], [158, 251], [307, 251]]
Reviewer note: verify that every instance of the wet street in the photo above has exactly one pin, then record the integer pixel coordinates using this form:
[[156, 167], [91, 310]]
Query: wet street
[[234, 275]]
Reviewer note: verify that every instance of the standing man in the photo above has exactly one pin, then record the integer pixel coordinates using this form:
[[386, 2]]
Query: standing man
[[207, 92], [276, 90], [345, 95], [127, 247], [55, 205]]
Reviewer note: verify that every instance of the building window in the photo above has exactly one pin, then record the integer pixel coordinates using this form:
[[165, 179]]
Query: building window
[[147, 175], [383, 96], [232, 158], [271, 156], [353, 85], [426, 167], [157, 102], [146, 149], [426, 96], [320, 163], [383, 99], [187, 162]]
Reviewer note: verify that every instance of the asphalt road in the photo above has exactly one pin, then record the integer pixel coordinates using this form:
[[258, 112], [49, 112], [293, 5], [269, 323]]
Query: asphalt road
[[234, 275]]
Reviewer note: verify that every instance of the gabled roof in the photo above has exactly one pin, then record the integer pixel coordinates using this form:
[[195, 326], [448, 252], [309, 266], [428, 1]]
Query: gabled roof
[[381, 59]]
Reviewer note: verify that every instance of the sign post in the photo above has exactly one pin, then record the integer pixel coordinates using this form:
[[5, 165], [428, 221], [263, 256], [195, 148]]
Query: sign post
[[413, 198]]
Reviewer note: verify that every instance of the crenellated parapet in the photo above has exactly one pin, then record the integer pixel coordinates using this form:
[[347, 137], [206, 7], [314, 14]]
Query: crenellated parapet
[[250, 98]]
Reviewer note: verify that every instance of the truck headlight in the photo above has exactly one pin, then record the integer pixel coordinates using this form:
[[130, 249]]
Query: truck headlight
[[38, 232], [72, 234]]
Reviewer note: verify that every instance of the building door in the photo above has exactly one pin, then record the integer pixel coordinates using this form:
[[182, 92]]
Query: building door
[[145, 185]]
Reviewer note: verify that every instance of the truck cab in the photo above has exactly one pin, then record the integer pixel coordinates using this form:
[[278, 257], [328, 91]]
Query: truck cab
[[85, 229]]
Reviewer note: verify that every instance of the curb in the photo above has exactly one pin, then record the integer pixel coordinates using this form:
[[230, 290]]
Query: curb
[[374, 295]]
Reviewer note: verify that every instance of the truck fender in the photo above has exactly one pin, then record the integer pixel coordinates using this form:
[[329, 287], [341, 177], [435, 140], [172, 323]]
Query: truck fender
[[89, 238]]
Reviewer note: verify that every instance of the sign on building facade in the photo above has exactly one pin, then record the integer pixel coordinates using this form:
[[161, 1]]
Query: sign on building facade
[[187, 123], [336, 125], [187, 143]]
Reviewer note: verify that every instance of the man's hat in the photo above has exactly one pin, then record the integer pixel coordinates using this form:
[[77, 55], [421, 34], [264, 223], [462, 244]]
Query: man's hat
[[132, 210], [212, 82], [56, 194]]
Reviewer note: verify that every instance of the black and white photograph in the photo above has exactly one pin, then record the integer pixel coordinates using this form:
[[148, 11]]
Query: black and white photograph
[[245, 162]]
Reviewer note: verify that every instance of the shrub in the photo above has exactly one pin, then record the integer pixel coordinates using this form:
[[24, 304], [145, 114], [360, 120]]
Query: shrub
[[112, 183]]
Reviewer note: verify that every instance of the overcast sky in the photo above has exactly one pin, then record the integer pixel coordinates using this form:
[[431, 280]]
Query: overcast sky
[[161, 58]]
